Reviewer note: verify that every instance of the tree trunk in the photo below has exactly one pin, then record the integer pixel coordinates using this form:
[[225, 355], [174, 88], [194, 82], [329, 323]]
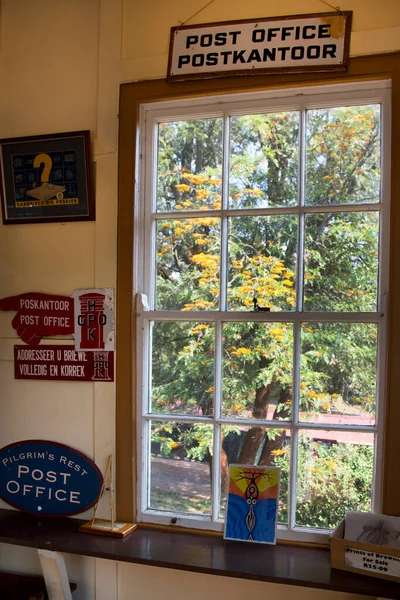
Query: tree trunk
[[255, 435], [224, 470], [266, 458]]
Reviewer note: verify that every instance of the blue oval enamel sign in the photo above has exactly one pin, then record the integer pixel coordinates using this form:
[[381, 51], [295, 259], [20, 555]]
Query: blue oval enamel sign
[[48, 478]]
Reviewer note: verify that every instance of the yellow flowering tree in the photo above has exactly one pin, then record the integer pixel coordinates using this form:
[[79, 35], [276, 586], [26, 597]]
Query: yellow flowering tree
[[340, 274]]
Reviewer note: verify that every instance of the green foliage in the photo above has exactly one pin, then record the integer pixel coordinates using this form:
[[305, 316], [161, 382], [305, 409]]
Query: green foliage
[[343, 155], [332, 481], [338, 364]]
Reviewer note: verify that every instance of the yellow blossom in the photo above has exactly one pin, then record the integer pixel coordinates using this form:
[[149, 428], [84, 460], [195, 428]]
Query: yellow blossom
[[201, 194], [182, 187], [241, 351], [276, 330], [195, 179]]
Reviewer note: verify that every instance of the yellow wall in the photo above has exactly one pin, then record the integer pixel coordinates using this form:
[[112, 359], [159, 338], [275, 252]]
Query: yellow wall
[[61, 62]]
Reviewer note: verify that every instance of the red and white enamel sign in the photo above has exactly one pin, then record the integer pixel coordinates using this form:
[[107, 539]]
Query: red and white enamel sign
[[88, 315], [39, 315], [62, 363], [94, 319]]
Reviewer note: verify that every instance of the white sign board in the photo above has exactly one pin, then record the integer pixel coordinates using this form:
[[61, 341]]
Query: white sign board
[[285, 44], [374, 562]]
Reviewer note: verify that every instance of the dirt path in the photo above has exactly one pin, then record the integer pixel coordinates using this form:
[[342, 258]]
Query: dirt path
[[180, 476]]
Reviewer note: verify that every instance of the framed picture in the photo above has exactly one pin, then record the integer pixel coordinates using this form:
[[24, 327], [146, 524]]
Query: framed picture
[[252, 509], [46, 178]]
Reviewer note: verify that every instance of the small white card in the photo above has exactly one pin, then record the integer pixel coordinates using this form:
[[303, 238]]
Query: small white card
[[374, 562]]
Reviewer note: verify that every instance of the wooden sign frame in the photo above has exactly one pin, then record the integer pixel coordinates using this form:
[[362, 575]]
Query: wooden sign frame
[[291, 34], [46, 178]]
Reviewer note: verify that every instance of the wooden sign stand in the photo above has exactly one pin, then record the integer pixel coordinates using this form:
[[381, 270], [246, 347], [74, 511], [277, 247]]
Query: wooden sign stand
[[103, 526]]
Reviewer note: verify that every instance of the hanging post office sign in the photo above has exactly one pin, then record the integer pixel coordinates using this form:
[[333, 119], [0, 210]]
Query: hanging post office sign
[[47, 478], [316, 42]]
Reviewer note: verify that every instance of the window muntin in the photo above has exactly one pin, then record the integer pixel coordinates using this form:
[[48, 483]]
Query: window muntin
[[300, 422]]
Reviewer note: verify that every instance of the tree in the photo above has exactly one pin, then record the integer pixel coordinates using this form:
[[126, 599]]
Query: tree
[[340, 271]]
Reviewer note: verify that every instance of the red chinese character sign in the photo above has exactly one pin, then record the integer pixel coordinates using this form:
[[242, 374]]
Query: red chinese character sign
[[94, 319]]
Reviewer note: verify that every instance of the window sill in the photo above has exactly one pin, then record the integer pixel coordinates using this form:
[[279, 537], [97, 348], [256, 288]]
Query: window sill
[[284, 564]]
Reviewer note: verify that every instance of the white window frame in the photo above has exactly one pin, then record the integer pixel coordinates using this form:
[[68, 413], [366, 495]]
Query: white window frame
[[300, 98]]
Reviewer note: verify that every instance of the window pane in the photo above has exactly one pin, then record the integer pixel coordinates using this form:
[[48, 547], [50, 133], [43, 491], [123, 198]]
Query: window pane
[[341, 262], [343, 155], [257, 370], [182, 368], [338, 373], [334, 475], [258, 446], [180, 478], [262, 262], [189, 170], [188, 258], [264, 160]]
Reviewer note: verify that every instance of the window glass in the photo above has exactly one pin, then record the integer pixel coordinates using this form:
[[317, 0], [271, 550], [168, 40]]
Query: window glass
[[274, 447], [338, 373], [341, 261], [335, 470], [262, 262], [343, 155], [188, 259], [189, 167], [264, 160], [257, 371], [179, 473], [182, 368]]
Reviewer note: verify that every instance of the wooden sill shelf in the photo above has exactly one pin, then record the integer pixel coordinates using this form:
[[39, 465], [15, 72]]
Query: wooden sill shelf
[[284, 564]]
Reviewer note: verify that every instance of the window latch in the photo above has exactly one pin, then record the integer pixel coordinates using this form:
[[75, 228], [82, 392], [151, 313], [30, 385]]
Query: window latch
[[258, 308]]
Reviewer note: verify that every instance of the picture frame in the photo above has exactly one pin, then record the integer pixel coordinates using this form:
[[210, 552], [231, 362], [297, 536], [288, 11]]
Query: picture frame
[[252, 504], [46, 178]]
